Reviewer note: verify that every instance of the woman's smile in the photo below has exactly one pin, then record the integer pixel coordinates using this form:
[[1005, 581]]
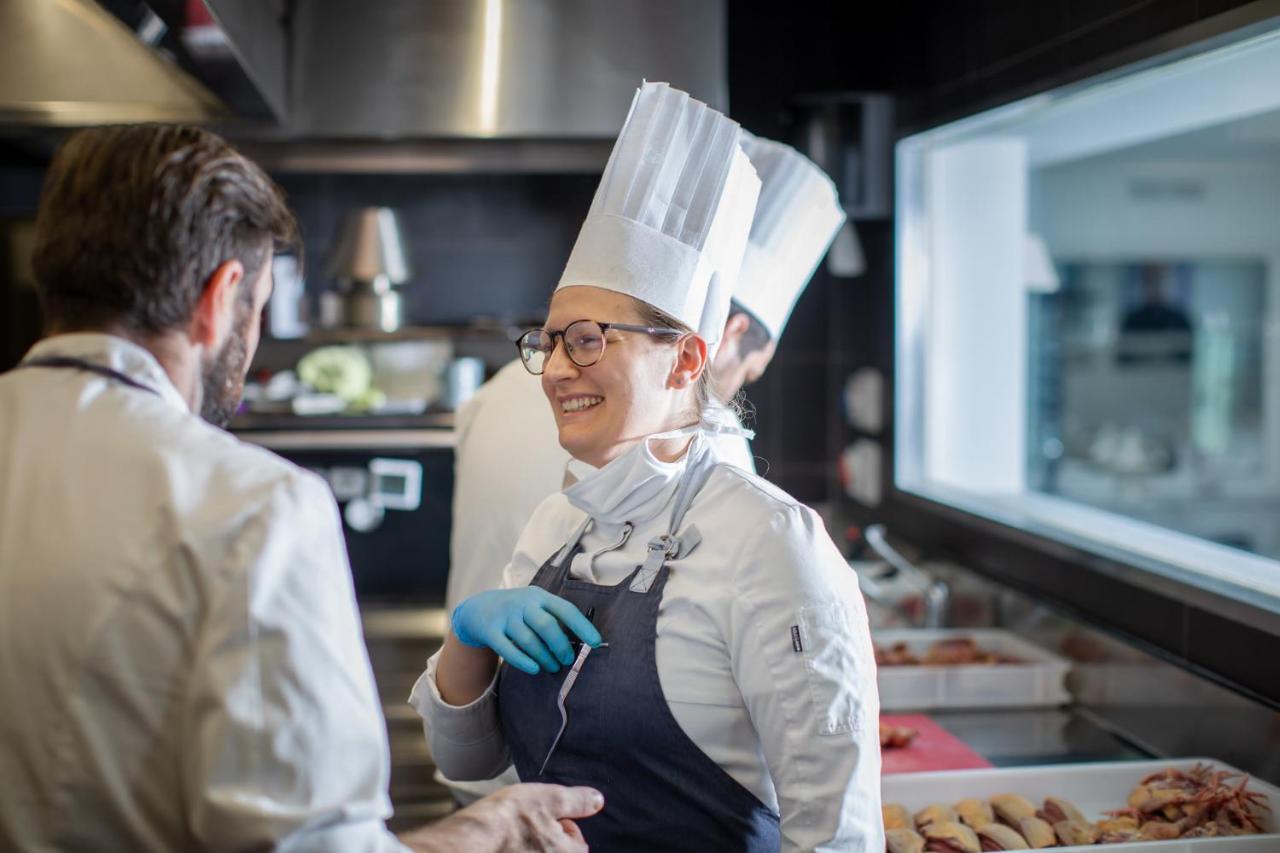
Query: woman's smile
[[574, 404], [602, 409]]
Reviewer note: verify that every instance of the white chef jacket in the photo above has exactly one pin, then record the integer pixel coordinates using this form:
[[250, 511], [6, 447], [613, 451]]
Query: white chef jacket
[[180, 652], [763, 652], [508, 460]]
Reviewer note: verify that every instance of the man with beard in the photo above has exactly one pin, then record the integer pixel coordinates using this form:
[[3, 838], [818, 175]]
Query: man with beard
[[180, 652]]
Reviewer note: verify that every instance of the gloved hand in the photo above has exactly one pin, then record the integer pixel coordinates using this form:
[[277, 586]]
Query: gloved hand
[[523, 627]]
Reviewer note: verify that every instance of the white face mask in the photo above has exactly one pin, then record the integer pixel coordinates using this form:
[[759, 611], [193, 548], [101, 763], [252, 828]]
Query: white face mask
[[635, 486]]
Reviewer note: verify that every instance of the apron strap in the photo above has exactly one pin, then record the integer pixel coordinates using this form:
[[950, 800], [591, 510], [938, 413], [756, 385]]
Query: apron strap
[[689, 489], [67, 362], [564, 552], [668, 546]]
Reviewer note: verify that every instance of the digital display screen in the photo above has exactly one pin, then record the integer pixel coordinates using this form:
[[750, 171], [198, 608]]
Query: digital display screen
[[393, 484], [396, 483]]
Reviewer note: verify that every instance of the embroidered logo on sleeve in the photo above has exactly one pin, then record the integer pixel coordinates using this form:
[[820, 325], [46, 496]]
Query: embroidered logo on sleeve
[[797, 645]]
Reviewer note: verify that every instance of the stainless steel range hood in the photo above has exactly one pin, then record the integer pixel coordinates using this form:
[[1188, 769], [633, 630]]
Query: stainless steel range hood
[[68, 63], [499, 86], [394, 85], [486, 69]]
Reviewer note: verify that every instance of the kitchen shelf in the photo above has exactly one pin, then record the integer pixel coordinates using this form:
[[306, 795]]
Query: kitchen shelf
[[352, 439]]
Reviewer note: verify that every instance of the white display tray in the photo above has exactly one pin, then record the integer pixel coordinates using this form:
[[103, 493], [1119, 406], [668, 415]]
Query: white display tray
[[1093, 788], [1035, 683]]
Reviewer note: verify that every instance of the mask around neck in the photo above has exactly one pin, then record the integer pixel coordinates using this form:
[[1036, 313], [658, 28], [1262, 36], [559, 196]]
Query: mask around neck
[[635, 486]]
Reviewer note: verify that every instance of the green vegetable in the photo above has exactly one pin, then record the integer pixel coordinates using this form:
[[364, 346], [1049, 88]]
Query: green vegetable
[[343, 371]]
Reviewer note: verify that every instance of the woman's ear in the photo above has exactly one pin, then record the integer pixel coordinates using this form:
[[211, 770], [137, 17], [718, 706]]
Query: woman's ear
[[215, 310], [691, 360]]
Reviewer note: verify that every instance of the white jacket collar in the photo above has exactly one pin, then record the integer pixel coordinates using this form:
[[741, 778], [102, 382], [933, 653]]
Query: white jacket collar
[[116, 353]]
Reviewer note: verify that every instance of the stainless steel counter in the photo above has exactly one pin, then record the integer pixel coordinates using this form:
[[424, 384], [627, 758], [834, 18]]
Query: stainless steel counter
[[1019, 737], [1122, 691], [400, 639], [1129, 705]]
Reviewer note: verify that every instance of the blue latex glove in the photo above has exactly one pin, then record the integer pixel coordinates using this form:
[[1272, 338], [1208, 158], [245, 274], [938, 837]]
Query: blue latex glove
[[523, 626]]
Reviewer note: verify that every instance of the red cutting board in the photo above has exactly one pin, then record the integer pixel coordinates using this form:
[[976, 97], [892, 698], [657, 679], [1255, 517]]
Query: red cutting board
[[934, 749]]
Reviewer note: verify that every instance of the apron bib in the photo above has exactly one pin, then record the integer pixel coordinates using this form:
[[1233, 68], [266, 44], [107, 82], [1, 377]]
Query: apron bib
[[661, 790]]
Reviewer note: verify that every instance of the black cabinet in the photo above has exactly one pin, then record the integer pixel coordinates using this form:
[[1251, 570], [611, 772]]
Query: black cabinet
[[397, 555]]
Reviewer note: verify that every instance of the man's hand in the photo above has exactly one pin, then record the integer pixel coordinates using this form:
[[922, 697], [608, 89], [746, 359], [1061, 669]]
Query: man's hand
[[521, 817]]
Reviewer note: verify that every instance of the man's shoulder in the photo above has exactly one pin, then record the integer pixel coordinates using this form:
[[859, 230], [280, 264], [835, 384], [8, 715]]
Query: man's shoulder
[[242, 474], [238, 500]]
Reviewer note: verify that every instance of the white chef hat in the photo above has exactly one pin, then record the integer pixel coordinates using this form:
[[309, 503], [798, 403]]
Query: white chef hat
[[796, 220], [670, 219]]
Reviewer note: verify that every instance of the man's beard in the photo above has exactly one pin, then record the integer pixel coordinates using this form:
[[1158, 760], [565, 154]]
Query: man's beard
[[223, 376]]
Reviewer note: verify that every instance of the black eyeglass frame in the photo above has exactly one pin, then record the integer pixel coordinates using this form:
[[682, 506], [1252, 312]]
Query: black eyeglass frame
[[656, 331]]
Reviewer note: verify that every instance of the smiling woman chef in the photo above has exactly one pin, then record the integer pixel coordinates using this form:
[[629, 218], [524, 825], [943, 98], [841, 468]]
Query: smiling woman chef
[[724, 698]]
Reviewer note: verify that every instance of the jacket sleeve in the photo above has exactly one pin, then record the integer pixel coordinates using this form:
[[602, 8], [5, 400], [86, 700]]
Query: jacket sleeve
[[287, 745], [801, 654], [466, 741]]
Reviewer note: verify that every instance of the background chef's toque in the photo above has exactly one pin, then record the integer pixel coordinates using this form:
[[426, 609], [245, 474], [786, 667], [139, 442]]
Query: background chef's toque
[[798, 216]]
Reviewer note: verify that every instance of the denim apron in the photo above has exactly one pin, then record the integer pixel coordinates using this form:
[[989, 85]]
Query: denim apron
[[661, 791]]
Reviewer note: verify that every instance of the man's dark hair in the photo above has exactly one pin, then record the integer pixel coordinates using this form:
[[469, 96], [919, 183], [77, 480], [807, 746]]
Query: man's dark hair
[[756, 337], [134, 219]]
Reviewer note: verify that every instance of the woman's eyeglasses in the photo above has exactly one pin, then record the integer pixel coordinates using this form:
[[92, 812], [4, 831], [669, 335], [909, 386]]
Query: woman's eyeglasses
[[583, 342]]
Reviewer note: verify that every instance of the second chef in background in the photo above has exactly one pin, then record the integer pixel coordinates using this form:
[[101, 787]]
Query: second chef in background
[[735, 706]]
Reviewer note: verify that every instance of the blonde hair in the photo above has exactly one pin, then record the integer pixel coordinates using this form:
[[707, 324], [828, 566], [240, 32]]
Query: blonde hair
[[706, 401]]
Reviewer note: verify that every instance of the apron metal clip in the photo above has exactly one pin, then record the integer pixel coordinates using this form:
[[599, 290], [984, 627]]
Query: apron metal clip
[[661, 549]]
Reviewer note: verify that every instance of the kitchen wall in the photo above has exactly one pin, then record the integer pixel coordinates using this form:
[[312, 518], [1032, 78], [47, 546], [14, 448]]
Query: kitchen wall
[[779, 53], [490, 245], [20, 177], [494, 245], [477, 245]]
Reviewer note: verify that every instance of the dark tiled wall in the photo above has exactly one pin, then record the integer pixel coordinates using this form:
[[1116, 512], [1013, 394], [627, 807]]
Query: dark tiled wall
[[836, 328], [777, 53], [478, 245], [19, 188], [19, 314], [491, 245]]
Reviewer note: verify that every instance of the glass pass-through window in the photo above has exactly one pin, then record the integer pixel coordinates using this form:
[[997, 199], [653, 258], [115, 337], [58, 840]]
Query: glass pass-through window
[[1089, 314]]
